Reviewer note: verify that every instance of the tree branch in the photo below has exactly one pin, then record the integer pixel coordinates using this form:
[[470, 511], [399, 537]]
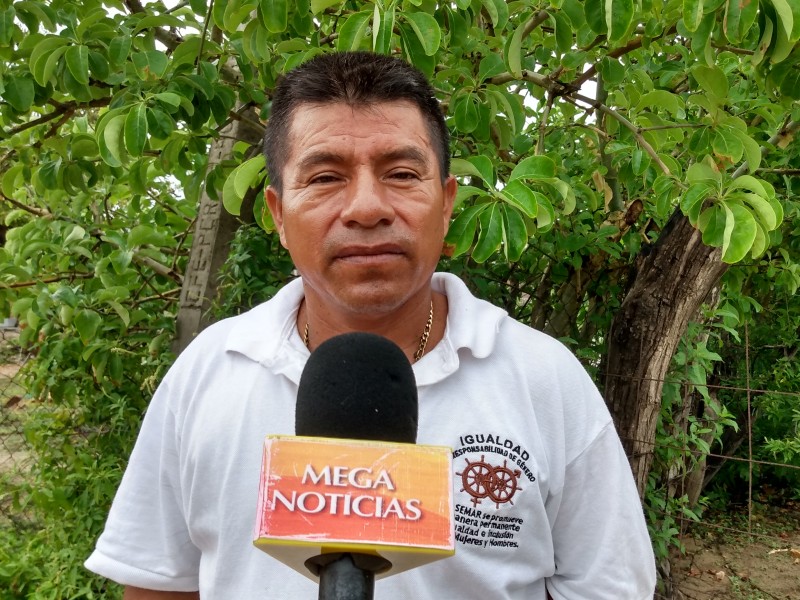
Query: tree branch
[[780, 140], [634, 44], [532, 23], [60, 110], [629, 126], [543, 123], [52, 279], [38, 212], [169, 38]]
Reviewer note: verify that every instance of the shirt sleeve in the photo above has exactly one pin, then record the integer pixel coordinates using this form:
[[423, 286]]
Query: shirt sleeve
[[602, 547], [146, 541]]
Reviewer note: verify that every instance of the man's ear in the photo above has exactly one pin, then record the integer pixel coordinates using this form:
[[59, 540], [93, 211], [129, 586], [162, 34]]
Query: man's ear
[[276, 210], [450, 187]]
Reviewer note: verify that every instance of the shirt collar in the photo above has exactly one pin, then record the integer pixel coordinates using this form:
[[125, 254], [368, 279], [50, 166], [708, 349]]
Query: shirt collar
[[268, 334]]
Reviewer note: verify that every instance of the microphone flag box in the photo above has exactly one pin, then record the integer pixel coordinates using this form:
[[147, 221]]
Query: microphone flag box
[[325, 495]]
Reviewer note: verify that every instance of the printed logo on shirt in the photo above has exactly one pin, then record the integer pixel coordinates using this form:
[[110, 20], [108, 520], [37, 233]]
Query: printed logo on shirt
[[491, 472]]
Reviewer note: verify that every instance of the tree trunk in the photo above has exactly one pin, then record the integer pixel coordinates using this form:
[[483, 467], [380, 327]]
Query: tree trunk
[[669, 287], [213, 233]]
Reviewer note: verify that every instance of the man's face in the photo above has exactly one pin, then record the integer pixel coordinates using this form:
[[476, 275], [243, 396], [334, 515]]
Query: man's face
[[364, 210]]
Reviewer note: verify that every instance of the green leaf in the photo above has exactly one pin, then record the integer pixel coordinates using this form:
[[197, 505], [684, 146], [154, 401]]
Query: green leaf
[[49, 174], [563, 31], [730, 22], [19, 92], [534, 167], [619, 16], [119, 48], [692, 14], [162, 20], [513, 55], [136, 129], [111, 141], [317, 6], [120, 260], [427, 30], [276, 15], [382, 30], [8, 184], [574, 11], [462, 230], [464, 192], [765, 41], [752, 151], [87, 322], [595, 14], [246, 175], [711, 223], [785, 16], [137, 176], [490, 66], [546, 214], [515, 234], [143, 235], [413, 51], [748, 182], [485, 168], [705, 170], [123, 312], [761, 208], [739, 240], [151, 64], [670, 102], [727, 145], [465, 113], [782, 47], [98, 66], [521, 196], [760, 243], [693, 199], [7, 26], [230, 199], [77, 59], [171, 99], [490, 235], [712, 80], [354, 30], [41, 65], [640, 161], [498, 13]]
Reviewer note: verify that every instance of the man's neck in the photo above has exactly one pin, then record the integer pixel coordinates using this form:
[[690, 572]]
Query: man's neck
[[407, 326]]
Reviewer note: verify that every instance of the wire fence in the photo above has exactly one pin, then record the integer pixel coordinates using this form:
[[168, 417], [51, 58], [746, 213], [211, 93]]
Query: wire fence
[[15, 456], [753, 551]]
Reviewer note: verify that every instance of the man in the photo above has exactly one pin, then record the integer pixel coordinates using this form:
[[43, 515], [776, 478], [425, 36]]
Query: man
[[360, 193]]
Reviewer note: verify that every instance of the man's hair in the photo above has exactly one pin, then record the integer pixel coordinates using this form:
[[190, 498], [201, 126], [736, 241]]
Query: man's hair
[[357, 79]]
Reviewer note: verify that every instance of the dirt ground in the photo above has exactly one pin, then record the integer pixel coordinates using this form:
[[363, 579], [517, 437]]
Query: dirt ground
[[722, 562]]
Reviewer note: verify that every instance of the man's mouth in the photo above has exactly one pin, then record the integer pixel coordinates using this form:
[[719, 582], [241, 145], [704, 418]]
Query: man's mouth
[[369, 253]]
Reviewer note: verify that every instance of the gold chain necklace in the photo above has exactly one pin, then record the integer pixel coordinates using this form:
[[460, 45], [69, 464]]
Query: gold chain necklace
[[423, 340]]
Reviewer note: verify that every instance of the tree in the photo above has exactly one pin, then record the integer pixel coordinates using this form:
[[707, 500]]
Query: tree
[[615, 159]]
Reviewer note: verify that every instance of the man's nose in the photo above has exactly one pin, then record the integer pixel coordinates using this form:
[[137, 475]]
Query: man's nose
[[367, 203]]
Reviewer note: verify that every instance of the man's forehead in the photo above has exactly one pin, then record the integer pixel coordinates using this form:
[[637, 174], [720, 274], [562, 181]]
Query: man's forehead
[[309, 119]]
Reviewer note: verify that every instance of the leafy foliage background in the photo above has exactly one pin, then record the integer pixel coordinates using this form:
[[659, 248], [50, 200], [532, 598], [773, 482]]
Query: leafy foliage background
[[581, 130]]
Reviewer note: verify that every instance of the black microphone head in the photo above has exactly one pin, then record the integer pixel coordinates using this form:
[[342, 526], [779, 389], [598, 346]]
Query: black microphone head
[[358, 386]]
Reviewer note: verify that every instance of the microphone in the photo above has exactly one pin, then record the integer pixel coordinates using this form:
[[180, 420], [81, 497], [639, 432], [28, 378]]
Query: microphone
[[358, 386], [352, 498]]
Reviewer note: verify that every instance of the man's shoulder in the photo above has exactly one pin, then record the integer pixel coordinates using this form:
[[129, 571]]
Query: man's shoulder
[[473, 317], [256, 327]]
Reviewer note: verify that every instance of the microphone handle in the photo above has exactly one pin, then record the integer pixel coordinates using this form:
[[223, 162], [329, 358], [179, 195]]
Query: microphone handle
[[346, 576]]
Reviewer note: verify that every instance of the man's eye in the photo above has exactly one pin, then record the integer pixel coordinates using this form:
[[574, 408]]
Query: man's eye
[[320, 179], [404, 175]]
